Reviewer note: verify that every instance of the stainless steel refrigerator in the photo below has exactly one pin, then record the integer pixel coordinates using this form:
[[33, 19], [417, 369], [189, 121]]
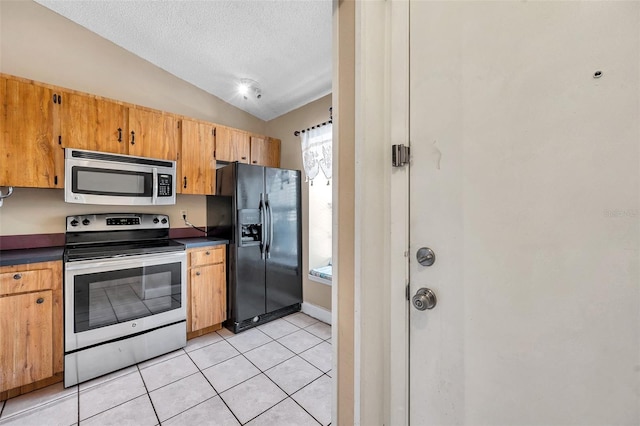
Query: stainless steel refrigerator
[[259, 210]]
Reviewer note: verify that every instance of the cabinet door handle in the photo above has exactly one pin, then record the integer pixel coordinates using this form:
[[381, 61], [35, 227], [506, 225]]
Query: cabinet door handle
[[119, 134], [17, 276], [40, 301], [198, 273], [244, 158], [133, 137], [254, 162], [185, 182], [207, 253]]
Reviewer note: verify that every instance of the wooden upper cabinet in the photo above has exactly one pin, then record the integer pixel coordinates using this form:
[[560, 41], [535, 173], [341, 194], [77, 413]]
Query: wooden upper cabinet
[[92, 123], [198, 164], [152, 134], [28, 148], [232, 145], [265, 151]]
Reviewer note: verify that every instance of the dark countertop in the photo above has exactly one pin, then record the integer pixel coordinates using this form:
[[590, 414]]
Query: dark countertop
[[47, 254], [201, 241], [34, 255]]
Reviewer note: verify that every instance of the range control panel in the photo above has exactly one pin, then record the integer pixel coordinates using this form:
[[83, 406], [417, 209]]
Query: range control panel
[[116, 221], [123, 221]]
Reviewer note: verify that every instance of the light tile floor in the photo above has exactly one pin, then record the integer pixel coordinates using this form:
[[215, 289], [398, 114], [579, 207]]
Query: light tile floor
[[276, 374]]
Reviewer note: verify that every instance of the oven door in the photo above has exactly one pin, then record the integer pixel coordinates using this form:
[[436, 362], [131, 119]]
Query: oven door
[[113, 298]]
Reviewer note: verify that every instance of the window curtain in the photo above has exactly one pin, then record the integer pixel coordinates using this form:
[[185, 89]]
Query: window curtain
[[316, 152]]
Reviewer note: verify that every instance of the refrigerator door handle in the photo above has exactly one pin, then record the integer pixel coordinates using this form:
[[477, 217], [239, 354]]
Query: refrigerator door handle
[[270, 240], [263, 219]]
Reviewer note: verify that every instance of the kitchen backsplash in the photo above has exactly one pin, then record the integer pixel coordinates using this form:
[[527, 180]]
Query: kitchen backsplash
[[43, 211]]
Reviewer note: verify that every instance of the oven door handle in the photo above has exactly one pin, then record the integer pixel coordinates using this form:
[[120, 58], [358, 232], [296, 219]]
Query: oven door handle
[[154, 196]]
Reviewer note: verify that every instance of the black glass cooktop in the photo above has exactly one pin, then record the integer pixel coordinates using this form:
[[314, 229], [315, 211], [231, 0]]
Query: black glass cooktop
[[75, 252]]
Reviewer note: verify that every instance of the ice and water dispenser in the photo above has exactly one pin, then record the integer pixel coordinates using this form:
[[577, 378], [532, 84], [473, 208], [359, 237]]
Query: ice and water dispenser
[[250, 227]]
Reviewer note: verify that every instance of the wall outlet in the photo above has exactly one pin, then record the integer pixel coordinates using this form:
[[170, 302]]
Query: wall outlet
[[183, 214]]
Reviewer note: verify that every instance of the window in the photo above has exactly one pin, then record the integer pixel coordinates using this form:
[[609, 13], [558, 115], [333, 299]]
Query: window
[[316, 157]]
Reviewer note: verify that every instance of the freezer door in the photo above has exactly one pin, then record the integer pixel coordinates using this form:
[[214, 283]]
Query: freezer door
[[249, 290], [284, 239], [249, 284], [249, 186]]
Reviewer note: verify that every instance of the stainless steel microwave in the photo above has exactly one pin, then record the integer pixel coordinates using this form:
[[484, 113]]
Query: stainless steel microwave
[[92, 177]]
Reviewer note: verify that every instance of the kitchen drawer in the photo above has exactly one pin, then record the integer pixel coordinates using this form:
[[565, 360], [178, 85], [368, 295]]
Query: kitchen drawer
[[15, 280], [207, 255]]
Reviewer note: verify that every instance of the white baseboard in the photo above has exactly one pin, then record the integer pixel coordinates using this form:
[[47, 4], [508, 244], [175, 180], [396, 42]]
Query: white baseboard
[[316, 312]]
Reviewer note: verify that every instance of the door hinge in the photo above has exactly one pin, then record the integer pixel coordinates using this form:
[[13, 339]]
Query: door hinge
[[399, 155], [407, 292]]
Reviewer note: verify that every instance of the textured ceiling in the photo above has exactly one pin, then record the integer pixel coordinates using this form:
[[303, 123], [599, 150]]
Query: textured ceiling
[[284, 45]]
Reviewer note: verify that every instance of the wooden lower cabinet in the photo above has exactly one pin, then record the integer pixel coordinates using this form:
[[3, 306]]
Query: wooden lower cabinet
[[206, 289], [31, 327]]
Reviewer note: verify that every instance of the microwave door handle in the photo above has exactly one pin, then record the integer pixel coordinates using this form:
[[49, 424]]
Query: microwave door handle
[[154, 196]]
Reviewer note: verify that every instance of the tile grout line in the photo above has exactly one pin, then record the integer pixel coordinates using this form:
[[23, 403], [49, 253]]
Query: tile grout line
[[268, 378], [300, 405], [218, 394], [255, 417], [115, 406], [285, 392], [148, 394], [31, 408]]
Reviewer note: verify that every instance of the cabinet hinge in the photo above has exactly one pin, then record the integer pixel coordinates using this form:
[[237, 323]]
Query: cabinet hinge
[[59, 140], [399, 155], [214, 132]]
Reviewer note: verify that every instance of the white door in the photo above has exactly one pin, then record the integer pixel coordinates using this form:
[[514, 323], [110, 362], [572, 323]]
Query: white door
[[525, 135]]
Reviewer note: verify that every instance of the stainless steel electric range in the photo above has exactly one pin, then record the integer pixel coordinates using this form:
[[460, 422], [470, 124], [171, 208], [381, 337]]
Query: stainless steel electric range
[[124, 293]]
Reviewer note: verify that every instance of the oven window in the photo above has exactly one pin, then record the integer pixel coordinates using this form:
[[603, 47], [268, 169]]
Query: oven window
[[88, 180], [112, 297]]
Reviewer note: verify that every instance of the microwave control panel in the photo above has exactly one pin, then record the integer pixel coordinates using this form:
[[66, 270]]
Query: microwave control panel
[[164, 186]]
